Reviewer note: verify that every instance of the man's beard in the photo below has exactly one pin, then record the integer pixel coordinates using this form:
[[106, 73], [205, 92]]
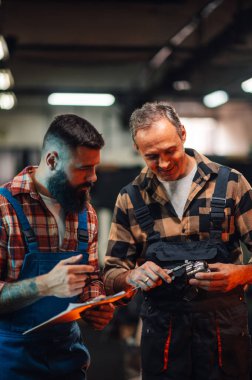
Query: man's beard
[[72, 199]]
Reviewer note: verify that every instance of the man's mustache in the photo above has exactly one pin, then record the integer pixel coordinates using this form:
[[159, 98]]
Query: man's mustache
[[85, 184]]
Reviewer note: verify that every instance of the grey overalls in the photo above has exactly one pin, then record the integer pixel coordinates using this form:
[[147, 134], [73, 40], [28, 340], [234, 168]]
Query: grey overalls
[[188, 333]]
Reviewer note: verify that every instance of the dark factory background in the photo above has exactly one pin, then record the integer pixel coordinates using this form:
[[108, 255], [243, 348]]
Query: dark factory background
[[196, 54]]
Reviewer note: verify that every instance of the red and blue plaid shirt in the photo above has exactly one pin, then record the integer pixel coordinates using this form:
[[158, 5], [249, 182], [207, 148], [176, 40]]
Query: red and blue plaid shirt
[[43, 223]]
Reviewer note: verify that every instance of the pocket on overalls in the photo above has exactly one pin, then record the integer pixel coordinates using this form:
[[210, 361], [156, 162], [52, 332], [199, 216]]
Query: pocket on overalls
[[234, 343], [155, 345]]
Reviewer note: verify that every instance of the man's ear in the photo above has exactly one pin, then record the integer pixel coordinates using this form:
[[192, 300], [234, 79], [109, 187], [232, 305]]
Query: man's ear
[[135, 146], [183, 134], [52, 159]]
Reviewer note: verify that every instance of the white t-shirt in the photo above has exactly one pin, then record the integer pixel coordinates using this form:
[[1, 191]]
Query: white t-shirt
[[179, 190], [58, 214]]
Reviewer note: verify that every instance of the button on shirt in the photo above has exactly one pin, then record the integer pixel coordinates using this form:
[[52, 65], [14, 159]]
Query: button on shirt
[[12, 246]]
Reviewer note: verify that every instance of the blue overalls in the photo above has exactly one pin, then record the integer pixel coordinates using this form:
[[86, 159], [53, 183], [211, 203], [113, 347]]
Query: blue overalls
[[188, 333], [56, 352]]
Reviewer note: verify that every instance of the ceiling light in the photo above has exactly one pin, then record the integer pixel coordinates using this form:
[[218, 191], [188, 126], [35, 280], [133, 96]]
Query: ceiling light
[[184, 33], [181, 85], [7, 100], [210, 7], [6, 79], [247, 85], [73, 99], [215, 99], [4, 52], [160, 57]]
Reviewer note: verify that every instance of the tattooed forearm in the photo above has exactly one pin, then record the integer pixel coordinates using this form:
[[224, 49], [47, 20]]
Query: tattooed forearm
[[16, 295]]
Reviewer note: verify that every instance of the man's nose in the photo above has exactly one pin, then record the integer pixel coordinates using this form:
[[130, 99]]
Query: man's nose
[[164, 162], [92, 177]]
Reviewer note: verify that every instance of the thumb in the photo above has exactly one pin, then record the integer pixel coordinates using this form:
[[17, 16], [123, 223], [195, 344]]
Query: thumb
[[71, 260]]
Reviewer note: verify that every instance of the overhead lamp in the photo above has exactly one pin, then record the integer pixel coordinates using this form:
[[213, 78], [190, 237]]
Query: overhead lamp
[[164, 52], [74, 99], [160, 57], [247, 85], [4, 52], [215, 99], [184, 32], [210, 7], [7, 100], [6, 79]]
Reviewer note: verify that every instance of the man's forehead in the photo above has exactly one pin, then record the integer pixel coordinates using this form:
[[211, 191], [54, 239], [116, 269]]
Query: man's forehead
[[161, 126], [85, 154]]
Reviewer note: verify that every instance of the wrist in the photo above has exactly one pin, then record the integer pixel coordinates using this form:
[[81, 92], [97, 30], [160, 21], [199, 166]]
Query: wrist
[[42, 285], [245, 274], [121, 282]]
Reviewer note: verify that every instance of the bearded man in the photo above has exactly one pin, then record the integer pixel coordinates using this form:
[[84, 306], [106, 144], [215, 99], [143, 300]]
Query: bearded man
[[48, 255]]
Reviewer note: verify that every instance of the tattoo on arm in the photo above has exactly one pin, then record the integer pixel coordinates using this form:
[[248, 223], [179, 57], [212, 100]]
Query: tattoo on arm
[[15, 296]]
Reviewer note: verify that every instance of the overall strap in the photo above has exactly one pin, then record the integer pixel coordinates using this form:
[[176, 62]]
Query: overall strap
[[82, 235], [28, 232], [218, 202], [142, 212]]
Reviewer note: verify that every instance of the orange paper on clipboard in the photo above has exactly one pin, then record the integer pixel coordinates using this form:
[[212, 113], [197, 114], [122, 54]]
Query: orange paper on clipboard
[[74, 310]]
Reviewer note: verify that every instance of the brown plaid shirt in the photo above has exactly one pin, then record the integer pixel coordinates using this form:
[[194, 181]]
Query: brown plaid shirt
[[127, 242], [43, 223]]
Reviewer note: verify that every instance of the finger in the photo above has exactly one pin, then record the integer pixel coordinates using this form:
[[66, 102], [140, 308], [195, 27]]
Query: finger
[[80, 268], [153, 277], [79, 282], [209, 285], [155, 272], [163, 274], [209, 276], [107, 307], [78, 286], [148, 279], [72, 259], [97, 317]]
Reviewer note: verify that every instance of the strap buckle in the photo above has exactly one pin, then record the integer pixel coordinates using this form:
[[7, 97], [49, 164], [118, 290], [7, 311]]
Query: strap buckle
[[82, 235], [218, 202], [217, 209], [29, 236]]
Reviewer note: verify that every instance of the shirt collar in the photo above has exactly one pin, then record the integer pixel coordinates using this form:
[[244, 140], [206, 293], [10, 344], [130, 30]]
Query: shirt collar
[[23, 183]]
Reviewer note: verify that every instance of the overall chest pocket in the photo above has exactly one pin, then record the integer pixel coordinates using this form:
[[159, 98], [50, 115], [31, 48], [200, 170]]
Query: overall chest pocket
[[173, 253]]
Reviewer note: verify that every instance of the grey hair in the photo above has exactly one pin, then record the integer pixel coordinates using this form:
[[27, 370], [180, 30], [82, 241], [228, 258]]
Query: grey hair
[[149, 113]]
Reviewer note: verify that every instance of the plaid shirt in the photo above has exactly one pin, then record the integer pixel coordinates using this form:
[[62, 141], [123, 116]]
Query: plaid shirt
[[43, 223], [127, 242]]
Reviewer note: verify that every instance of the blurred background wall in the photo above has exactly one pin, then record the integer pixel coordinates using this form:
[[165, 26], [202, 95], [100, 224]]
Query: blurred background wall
[[137, 51]]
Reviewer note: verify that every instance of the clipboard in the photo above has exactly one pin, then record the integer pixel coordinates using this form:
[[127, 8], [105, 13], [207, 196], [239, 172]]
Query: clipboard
[[74, 310]]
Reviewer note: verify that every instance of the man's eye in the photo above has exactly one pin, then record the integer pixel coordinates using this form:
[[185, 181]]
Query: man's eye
[[152, 157]]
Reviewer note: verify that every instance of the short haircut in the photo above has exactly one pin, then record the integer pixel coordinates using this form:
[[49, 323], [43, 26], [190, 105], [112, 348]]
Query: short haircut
[[149, 113], [73, 131]]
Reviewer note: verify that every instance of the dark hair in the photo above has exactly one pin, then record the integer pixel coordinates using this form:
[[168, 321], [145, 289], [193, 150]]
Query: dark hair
[[73, 131], [145, 116]]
